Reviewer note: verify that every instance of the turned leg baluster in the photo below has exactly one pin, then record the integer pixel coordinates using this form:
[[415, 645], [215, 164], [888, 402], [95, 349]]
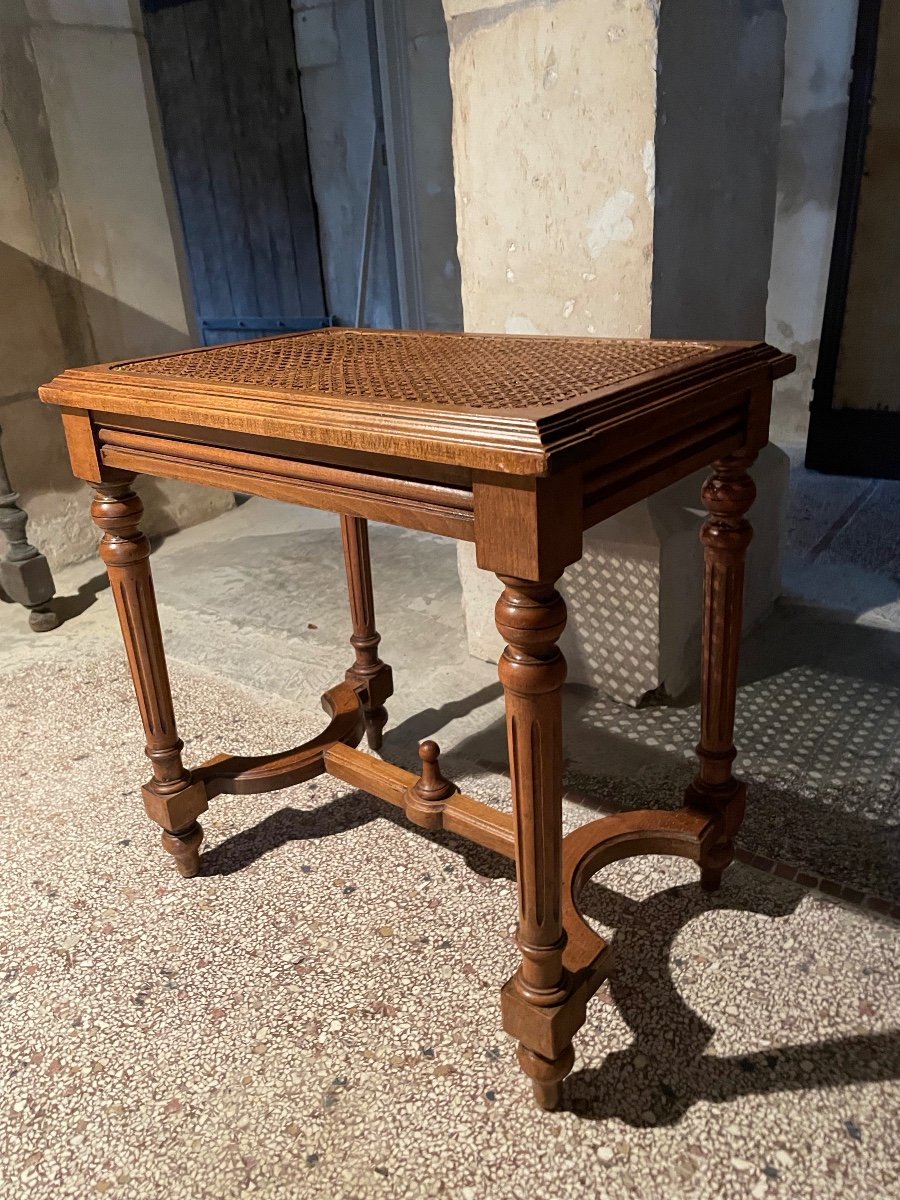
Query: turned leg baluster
[[726, 533], [531, 617], [368, 670], [24, 572], [171, 798]]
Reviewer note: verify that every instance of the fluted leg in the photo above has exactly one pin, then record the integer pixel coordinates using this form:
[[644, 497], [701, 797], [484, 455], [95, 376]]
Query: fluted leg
[[727, 495], [24, 572], [531, 617], [171, 798], [368, 669]]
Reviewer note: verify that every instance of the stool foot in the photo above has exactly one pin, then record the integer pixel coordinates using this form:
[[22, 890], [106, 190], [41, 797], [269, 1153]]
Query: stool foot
[[375, 719], [710, 879], [184, 846], [713, 863], [43, 619], [546, 1074]]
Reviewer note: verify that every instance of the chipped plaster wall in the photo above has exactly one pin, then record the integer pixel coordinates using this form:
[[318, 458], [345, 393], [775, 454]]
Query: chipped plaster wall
[[555, 154], [553, 135], [818, 51], [616, 164], [89, 265]]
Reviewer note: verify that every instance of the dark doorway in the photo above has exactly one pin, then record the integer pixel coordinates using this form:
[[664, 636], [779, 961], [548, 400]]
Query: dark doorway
[[855, 414], [233, 126]]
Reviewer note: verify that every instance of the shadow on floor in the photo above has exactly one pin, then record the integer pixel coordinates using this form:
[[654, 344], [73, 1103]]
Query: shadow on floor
[[337, 816], [666, 1069], [69, 607], [844, 838], [423, 725], [843, 825], [818, 727], [793, 636]]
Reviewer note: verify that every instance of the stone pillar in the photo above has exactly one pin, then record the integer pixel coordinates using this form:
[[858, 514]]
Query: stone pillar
[[616, 166]]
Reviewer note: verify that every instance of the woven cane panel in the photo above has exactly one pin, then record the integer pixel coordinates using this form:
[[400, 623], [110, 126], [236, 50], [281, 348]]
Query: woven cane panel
[[461, 372]]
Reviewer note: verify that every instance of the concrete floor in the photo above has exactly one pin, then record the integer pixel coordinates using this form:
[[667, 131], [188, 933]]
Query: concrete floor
[[316, 1015], [843, 545]]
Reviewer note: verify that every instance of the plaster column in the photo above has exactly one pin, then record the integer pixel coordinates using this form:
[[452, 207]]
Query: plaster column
[[616, 166]]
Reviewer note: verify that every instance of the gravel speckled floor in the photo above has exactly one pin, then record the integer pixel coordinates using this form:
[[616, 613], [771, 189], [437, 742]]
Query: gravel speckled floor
[[316, 1016]]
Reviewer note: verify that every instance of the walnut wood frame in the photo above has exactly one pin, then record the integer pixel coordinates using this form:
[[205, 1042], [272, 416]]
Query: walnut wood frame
[[523, 488]]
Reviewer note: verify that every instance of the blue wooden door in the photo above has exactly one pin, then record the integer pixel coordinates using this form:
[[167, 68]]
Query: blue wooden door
[[233, 126]]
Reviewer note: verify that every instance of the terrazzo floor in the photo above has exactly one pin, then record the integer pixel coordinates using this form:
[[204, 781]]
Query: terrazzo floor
[[317, 1014]]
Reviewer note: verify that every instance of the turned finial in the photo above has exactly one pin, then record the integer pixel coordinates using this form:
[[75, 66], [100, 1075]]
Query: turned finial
[[425, 798], [432, 785]]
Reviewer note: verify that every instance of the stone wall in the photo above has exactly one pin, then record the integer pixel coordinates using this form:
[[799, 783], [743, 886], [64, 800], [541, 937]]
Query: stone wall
[[89, 245], [591, 90]]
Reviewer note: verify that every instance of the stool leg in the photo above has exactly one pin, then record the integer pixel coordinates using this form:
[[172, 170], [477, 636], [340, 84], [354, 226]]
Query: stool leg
[[726, 533], [171, 798], [368, 670], [531, 617]]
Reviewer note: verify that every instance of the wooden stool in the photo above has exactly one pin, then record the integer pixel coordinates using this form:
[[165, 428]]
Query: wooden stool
[[516, 443]]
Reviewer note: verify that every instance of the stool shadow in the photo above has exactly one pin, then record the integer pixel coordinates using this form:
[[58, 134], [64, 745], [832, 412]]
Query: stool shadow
[[347, 812], [667, 1069], [424, 724], [69, 607]]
